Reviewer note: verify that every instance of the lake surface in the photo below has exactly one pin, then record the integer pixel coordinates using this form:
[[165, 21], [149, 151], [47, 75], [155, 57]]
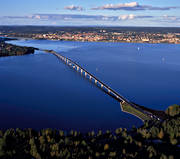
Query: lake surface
[[40, 91]]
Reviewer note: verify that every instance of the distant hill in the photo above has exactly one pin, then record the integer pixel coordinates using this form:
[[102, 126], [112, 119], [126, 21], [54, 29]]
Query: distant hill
[[51, 29]]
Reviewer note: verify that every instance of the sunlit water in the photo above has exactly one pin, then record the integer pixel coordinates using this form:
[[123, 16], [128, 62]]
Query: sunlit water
[[40, 91]]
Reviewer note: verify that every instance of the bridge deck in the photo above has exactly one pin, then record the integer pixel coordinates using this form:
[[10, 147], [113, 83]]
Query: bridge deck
[[102, 85], [110, 90]]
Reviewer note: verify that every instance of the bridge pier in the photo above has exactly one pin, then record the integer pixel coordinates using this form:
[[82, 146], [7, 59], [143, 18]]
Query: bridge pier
[[91, 77], [102, 85], [81, 71], [95, 81]]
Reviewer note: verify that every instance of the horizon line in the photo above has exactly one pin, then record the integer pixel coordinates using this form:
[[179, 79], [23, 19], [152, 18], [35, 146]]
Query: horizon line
[[90, 26]]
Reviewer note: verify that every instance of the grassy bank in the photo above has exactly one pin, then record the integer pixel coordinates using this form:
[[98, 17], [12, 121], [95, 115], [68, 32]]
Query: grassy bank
[[125, 107]]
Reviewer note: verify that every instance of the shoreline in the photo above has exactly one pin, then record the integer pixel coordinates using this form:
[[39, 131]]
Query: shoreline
[[7, 49], [160, 140], [141, 112], [139, 42], [141, 116]]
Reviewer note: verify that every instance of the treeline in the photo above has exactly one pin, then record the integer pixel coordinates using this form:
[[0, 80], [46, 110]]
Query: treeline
[[13, 50], [54, 29], [160, 140]]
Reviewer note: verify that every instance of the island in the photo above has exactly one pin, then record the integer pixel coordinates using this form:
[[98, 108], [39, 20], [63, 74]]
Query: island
[[13, 50]]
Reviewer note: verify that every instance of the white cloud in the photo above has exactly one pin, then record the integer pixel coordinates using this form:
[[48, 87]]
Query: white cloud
[[73, 7], [127, 17], [82, 19], [166, 17], [37, 17], [118, 6], [132, 6], [54, 17]]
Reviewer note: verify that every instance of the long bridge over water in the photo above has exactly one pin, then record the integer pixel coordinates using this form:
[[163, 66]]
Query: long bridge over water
[[103, 86]]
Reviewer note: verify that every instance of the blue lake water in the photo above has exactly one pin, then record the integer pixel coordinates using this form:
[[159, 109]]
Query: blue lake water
[[40, 91]]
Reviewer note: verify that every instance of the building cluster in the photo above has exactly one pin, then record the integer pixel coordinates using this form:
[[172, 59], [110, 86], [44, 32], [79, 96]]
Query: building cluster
[[131, 37], [90, 36], [103, 35]]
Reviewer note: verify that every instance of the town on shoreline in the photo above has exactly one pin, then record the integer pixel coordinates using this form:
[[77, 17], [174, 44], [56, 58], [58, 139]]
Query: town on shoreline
[[95, 34]]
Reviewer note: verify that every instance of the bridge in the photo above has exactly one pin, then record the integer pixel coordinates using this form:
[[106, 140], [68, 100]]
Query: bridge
[[100, 84]]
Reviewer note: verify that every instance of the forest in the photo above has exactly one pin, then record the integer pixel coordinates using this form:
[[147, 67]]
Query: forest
[[13, 50], [160, 139]]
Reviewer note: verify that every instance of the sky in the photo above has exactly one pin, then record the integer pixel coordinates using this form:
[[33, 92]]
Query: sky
[[156, 13]]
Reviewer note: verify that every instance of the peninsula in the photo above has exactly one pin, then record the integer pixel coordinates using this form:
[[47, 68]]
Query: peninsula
[[13, 50]]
